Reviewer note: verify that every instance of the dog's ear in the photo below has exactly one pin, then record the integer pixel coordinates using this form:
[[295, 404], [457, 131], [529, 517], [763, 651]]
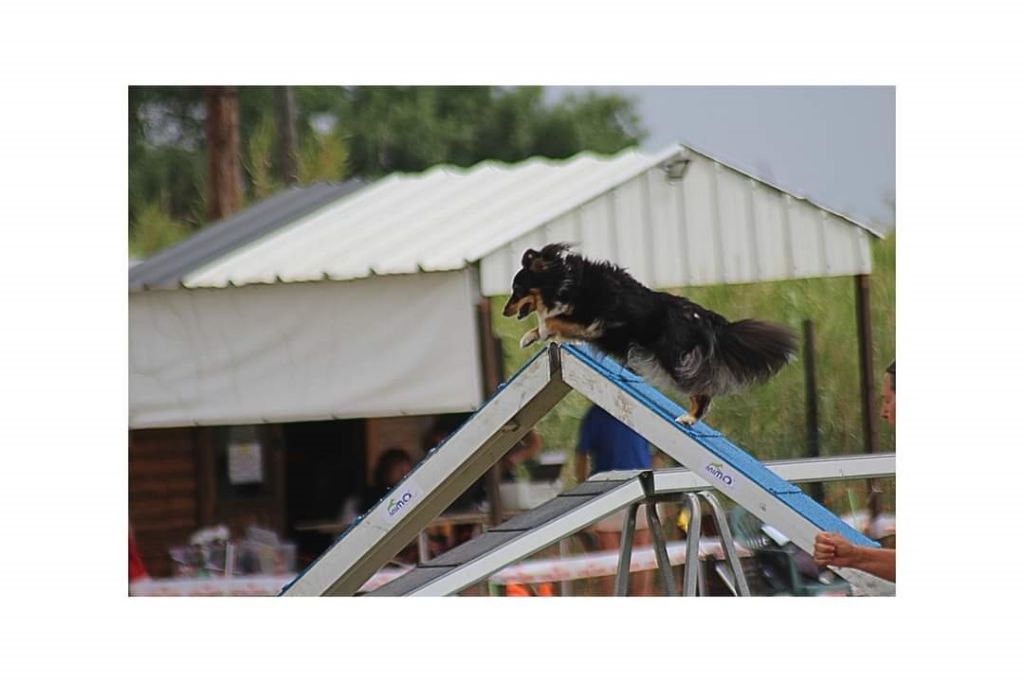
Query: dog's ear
[[529, 257], [535, 261]]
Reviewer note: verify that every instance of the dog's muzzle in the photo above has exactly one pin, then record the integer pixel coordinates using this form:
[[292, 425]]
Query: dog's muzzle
[[520, 308]]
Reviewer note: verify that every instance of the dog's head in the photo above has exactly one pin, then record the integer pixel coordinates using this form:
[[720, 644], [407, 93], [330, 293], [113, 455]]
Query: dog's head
[[540, 269]]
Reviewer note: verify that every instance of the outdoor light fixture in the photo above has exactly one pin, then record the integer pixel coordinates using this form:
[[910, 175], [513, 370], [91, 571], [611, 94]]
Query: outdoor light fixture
[[675, 168]]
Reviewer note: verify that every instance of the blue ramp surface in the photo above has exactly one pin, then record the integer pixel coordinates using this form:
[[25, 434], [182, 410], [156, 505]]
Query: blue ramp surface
[[784, 491]]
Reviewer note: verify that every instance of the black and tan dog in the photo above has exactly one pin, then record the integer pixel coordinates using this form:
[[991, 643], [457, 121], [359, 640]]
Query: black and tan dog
[[669, 340]]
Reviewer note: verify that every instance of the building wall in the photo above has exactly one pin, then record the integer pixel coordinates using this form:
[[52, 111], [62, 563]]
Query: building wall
[[177, 478], [176, 485], [163, 495]]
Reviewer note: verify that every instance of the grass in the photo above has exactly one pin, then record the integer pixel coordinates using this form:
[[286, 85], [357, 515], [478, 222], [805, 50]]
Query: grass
[[770, 420]]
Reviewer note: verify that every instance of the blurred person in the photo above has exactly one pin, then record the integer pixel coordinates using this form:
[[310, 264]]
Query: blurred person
[[392, 467], [833, 549], [606, 444]]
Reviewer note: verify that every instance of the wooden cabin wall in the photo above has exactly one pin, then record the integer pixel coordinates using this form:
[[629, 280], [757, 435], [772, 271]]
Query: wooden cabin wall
[[163, 502]]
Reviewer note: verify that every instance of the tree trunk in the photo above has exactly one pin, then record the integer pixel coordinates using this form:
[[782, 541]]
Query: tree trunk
[[224, 185], [287, 134]]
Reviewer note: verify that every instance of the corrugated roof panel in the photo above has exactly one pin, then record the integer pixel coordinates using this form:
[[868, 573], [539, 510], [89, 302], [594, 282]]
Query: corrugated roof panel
[[715, 224], [169, 267], [839, 257], [497, 277], [738, 247], [668, 262], [700, 207], [542, 199], [806, 226], [597, 230], [562, 229], [628, 215], [473, 208], [437, 220], [772, 241]]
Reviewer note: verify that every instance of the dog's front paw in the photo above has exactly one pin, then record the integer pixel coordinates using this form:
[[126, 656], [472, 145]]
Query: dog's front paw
[[686, 419], [529, 337]]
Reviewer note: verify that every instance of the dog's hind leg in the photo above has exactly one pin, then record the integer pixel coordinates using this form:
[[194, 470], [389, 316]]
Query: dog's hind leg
[[699, 406]]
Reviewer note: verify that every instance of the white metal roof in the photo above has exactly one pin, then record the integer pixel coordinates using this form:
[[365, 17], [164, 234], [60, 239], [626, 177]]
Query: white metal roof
[[717, 224]]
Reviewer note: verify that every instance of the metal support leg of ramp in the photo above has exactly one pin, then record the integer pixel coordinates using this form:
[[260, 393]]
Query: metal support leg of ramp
[[626, 551], [576, 509]]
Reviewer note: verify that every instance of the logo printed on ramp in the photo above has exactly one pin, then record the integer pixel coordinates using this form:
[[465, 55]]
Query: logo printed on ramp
[[399, 501], [718, 472]]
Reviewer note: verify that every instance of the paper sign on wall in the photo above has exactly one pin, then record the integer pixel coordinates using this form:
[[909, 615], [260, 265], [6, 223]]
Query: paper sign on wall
[[245, 463]]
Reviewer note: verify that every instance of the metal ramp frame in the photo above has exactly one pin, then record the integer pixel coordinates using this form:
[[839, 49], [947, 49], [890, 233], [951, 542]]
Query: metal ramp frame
[[601, 495], [503, 420]]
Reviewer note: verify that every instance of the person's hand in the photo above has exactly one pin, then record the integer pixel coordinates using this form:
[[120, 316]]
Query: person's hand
[[833, 549]]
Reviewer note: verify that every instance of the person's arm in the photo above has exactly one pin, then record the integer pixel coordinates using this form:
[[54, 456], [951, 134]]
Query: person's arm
[[835, 550]]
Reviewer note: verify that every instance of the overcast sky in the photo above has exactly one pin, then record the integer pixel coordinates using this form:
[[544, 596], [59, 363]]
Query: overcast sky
[[834, 145]]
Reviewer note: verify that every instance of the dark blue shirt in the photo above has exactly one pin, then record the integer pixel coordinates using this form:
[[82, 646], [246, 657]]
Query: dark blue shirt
[[611, 444]]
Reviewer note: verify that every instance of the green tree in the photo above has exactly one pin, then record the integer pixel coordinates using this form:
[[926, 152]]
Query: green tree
[[323, 157], [412, 128], [154, 230], [600, 123], [259, 159], [364, 131]]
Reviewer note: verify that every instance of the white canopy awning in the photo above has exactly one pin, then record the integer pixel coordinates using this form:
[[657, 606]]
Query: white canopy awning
[[376, 347]]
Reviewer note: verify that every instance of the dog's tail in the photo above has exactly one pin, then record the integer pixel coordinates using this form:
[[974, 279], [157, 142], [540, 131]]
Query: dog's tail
[[753, 350]]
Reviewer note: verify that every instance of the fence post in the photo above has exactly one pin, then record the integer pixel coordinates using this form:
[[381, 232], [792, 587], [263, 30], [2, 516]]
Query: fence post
[[817, 489]]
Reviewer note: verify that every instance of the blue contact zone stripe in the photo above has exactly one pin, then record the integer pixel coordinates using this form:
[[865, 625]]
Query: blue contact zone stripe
[[740, 460]]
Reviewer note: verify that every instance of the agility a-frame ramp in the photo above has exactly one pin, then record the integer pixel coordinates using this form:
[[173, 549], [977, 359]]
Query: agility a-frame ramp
[[505, 419]]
